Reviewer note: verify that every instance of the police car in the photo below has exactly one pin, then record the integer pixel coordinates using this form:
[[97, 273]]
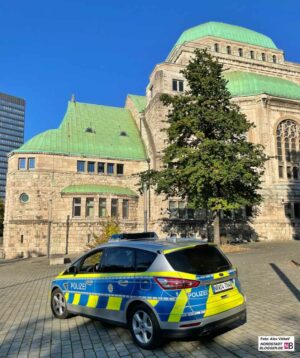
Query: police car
[[156, 288]]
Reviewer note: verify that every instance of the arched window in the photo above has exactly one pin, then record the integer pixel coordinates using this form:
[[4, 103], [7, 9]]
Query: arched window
[[252, 54], [288, 149], [274, 58], [240, 52], [263, 56], [217, 47], [229, 50]]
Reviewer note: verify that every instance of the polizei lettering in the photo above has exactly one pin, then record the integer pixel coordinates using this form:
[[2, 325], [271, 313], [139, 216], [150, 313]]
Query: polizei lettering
[[197, 294], [78, 286]]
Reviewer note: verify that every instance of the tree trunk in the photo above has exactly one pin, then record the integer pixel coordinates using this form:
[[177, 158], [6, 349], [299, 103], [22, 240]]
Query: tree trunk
[[216, 224]]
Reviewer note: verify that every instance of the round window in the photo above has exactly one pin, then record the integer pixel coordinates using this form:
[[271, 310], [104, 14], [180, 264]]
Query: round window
[[24, 198]]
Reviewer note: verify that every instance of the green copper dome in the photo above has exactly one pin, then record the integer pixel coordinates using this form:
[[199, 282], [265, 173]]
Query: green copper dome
[[225, 31], [242, 84], [93, 131]]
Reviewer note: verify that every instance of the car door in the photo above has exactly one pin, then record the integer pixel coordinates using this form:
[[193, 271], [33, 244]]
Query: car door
[[116, 282], [81, 286]]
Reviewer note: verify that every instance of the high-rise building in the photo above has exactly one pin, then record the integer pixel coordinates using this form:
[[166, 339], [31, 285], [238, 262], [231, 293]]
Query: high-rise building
[[12, 113]]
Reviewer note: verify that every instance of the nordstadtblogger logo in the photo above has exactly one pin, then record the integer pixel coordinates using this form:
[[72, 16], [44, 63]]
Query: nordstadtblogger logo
[[276, 343]]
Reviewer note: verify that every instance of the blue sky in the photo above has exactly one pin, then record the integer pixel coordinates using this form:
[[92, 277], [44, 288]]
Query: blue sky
[[102, 50]]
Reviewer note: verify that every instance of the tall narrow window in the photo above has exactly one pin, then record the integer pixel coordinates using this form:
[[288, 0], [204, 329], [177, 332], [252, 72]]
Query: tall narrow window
[[240, 52], [180, 86], [274, 58], [174, 85], [110, 168], [280, 171], [89, 208], [102, 207], [22, 164], [190, 213], [114, 207], [120, 169], [288, 210], [80, 166], [31, 163], [181, 209], [91, 167], [279, 144], [125, 209], [293, 148], [288, 148], [297, 210], [173, 209], [263, 56], [228, 50], [252, 54], [216, 47], [101, 168], [295, 173], [76, 207]]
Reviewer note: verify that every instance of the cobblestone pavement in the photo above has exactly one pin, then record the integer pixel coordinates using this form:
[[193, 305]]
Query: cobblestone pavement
[[27, 328]]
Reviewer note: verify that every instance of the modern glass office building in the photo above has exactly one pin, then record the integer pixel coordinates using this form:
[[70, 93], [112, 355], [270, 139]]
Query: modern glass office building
[[12, 114]]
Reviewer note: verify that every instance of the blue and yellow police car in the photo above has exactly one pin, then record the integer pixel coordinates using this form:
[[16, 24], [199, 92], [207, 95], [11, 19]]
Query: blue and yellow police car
[[156, 288]]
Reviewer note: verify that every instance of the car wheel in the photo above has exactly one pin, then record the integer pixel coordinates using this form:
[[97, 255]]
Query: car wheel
[[144, 327], [59, 305]]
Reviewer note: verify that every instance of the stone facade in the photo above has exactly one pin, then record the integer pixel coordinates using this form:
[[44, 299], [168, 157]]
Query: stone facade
[[48, 209], [45, 223], [265, 111]]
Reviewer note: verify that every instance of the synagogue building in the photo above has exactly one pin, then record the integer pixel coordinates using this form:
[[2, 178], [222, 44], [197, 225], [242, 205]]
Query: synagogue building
[[65, 183]]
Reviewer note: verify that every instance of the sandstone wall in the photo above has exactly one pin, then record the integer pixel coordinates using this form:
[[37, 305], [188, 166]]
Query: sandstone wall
[[27, 224]]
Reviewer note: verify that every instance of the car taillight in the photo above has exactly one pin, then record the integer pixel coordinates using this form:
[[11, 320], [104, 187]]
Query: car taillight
[[171, 283]]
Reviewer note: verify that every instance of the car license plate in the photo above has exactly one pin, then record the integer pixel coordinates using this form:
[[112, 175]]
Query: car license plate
[[222, 286]]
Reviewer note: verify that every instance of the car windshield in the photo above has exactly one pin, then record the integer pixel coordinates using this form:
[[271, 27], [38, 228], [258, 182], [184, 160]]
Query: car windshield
[[199, 260]]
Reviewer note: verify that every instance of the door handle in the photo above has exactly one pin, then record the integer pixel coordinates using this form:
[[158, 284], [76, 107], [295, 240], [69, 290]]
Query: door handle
[[123, 282]]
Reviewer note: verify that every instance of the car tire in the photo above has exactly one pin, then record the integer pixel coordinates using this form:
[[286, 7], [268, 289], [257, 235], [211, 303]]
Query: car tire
[[59, 305], [144, 327]]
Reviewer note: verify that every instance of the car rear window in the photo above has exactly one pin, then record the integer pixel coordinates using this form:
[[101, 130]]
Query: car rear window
[[200, 260], [144, 260]]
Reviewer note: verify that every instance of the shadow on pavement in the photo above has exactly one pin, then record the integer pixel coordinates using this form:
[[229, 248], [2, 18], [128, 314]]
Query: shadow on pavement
[[25, 282], [295, 291]]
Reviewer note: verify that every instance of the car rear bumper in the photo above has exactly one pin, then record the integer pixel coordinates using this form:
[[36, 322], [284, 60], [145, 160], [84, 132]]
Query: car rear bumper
[[230, 319]]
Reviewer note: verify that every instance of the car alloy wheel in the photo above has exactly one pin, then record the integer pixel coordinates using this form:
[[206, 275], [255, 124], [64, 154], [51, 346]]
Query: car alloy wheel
[[59, 303], [142, 327]]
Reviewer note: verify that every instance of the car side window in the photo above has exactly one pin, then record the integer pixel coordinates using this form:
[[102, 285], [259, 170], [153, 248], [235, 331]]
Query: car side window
[[144, 260], [118, 260], [91, 263]]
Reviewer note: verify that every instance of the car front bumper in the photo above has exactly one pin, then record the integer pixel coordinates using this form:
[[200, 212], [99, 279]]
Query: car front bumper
[[230, 319]]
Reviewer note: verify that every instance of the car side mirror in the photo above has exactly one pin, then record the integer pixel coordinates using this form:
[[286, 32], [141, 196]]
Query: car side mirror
[[72, 270]]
